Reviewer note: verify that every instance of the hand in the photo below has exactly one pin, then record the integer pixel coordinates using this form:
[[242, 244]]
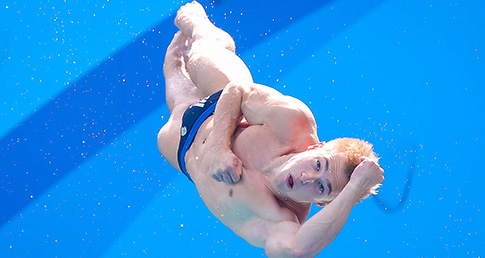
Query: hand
[[367, 174], [226, 167]]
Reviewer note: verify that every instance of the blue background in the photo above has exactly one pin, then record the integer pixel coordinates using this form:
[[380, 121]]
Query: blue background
[[82, 100]]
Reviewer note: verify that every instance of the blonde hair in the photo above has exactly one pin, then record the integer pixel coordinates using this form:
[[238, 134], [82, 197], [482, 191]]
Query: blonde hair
[[355, 149]]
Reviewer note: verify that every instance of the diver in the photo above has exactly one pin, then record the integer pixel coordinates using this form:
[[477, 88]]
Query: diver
[[253, 153]]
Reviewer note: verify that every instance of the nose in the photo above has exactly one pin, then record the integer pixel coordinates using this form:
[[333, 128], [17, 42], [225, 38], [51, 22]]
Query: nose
[[307, 177]]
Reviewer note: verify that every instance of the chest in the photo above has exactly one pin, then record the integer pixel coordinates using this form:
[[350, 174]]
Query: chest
[[257, 146]]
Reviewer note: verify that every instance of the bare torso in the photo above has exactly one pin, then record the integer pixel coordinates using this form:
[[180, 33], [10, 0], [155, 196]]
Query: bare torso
[[249, 201], [243, 205]]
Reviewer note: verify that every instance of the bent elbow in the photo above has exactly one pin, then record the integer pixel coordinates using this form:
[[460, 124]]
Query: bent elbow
[[288, 251], [291, 254]]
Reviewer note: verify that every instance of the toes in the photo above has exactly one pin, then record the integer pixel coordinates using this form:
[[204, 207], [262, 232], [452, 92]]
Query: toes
[[178, 47], [178, 40]]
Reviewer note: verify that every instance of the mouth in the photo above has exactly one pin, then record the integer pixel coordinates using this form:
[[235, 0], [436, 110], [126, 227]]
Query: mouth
[[290, 181]]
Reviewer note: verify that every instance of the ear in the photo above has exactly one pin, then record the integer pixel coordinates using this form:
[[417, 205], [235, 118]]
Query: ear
[[314, 146], [321, 204]]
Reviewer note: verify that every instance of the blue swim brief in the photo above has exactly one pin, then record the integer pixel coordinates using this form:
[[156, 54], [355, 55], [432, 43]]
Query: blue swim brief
[[193, 118]]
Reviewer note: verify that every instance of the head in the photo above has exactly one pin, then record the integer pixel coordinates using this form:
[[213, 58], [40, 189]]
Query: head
[[321, 172]]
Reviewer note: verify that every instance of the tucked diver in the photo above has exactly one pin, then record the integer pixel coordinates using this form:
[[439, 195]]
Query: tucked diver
[[257, 162]]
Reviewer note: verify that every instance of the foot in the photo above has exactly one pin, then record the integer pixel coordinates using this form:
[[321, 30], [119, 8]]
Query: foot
[[193, 22], [189, 16], [176, 55], [180, 91]]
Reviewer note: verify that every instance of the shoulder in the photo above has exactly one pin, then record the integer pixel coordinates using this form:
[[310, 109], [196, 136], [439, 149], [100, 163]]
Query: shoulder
[[275, 108], [290, 119]]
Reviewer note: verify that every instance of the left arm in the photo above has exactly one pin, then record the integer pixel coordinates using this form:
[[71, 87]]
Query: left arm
[[289, 239]]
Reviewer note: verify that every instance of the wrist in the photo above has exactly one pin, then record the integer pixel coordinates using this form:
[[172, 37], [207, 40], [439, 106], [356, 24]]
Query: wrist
[[355, 188], [219, 147]]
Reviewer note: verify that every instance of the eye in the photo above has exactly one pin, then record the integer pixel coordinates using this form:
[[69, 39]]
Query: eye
[[321, 188], [318, 165]]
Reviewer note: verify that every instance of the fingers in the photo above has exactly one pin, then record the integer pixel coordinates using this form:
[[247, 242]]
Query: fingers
[[216, 177], [368, 172], [229, 174], [369, 163], [223, 177], [236, 171], [228, 177], [365, 159], [226, 167]]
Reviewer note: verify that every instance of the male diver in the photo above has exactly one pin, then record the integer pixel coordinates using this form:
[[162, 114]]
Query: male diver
[[257, 172]]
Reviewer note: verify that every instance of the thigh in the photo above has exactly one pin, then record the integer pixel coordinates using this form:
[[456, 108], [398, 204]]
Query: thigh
[[211, 67], [169, 136]]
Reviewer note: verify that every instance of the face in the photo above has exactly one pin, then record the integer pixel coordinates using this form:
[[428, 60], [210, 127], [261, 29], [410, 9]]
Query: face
[[313, 176]]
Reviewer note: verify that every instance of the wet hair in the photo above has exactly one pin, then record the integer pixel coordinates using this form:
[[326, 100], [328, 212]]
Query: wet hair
[[355, 149]]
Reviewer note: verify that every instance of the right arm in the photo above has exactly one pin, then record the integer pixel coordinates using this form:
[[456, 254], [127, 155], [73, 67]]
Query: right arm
[[289, 239], [260, 105]]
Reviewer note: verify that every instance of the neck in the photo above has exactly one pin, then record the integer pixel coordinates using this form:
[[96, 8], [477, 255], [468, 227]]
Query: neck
[[300, 209], [276, 164]]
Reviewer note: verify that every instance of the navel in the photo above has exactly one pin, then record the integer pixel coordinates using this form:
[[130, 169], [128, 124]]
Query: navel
[[231, 193]]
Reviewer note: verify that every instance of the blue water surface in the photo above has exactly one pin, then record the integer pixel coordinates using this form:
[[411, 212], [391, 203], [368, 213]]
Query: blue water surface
[[82, 99]]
